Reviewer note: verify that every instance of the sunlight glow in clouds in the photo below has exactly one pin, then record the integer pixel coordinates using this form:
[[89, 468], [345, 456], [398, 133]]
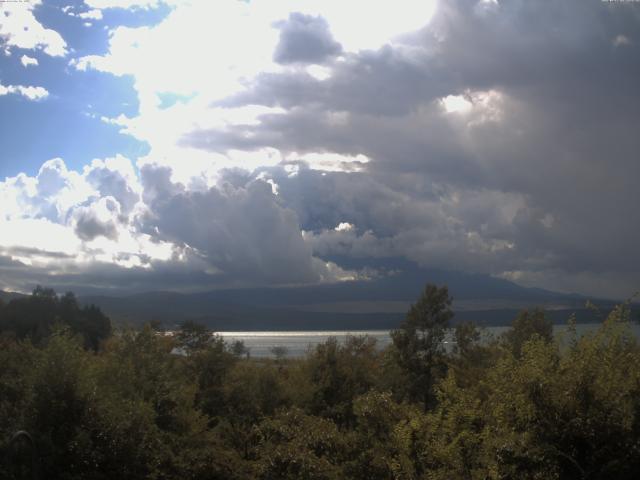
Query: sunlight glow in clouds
[[105, 4], [229, 43], [456, 104], [62, 222], [475, 107], [330, 162], [357, 24], [419, 131], [61, 215], [38, 234]]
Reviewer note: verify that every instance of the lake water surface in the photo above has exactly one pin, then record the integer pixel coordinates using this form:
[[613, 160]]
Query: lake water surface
[[297, 343]]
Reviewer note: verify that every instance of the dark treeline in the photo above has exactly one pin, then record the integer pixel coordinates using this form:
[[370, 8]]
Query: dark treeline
[[35, 317], [123, 405]]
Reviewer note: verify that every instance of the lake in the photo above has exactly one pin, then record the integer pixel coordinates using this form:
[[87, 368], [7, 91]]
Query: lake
[[299, 342]]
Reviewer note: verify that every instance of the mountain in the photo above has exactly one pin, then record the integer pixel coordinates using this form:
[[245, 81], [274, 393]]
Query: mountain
[[375, 304], [6, 297]]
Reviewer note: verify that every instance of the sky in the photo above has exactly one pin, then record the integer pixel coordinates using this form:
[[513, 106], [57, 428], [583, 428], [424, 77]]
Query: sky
[[197, 144]]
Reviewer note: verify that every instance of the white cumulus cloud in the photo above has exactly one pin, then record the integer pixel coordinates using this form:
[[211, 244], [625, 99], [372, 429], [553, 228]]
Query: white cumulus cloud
[[29, 92], [28, 61], [229, 44], [94, 14], [19, 28], [105, 4]]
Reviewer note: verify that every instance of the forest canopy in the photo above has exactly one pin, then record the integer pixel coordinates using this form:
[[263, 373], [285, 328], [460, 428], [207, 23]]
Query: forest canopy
[[103, 404]]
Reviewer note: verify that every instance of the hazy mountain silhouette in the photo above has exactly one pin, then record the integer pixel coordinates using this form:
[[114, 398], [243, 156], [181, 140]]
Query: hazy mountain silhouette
[[378, 303], [6, 297]]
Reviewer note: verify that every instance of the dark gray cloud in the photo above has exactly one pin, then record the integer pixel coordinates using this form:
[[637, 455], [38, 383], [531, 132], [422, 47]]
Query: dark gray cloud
[[104, 277], [113, 182], [502, 139], [28, 251], [537, 178], [389, 81], [90, 227], [241, 232], [305, 39]]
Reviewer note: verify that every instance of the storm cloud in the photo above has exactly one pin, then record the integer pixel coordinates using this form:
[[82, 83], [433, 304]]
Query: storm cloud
[[499, 138], [305, 39], [522, 107]]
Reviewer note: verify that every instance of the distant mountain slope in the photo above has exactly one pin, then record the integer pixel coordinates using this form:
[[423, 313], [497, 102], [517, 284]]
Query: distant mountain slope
[[8, 296], [379, 303]]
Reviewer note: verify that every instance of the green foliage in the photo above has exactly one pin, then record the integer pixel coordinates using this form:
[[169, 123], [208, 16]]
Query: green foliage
[[418, 343], [528, 323], [388, 438], [279, 351], [148, 405], [34, 317], [466, 336], [252, 393], [472, 355], [239, 349], [293, 445], [193, 337], [209, 367], [338, 374], [15, 392], [539, 412]]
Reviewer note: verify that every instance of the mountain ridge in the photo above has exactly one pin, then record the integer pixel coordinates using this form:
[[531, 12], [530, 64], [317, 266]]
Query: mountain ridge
[[378, 303], [354, 305]]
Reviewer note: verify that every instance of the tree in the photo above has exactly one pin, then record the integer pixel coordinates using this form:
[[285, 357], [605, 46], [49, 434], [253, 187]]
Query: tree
[[193, 336], [418, 343], [239, 349], [388, 438], [338, 374], [279, 351], [528, 323], [209, 366], [467, 336], [31, 317], [293, 445], [471, 356], [34, 317]]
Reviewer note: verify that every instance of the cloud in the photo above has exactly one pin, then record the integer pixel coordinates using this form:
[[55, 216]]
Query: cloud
[[100, 218], [620, 41], [40, 234], [305, 39], [125, 4], [56, 191], [115, 178], [70, 225], [19, 28], [353, 215], [94, 14], [358, 25], [154, 55], [28, 92], [493, 137], [28, 61], [240, 230], [482, 106], [62, 211], [229, 44]]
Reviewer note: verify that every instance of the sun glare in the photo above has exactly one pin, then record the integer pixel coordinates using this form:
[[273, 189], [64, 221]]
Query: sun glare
[[456, 104]]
